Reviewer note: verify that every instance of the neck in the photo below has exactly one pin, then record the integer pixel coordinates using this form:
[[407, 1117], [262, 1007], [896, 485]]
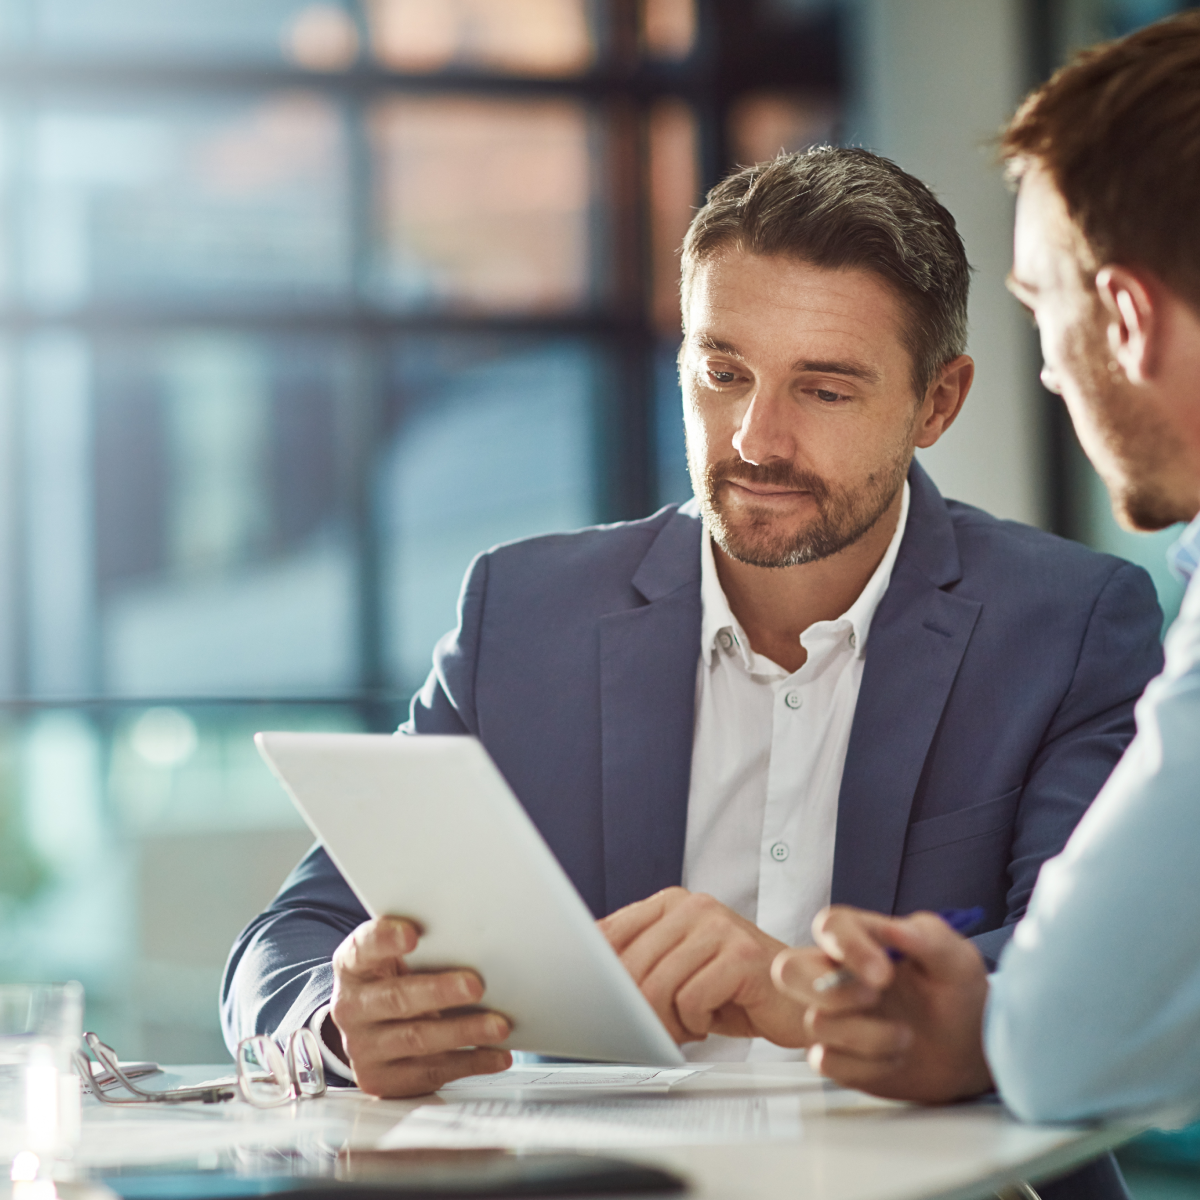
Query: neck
[[775, 605]]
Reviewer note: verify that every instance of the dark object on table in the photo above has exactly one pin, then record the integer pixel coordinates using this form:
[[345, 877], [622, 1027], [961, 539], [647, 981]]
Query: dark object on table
[[380, 1174]]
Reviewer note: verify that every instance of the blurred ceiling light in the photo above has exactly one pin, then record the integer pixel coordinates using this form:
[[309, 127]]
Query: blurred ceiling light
[[762, 124], [535, 37], [322, 38], [669, 28], [164, 737]]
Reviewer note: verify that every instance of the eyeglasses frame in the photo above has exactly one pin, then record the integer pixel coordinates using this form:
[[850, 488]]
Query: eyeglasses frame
[[213, 1093]]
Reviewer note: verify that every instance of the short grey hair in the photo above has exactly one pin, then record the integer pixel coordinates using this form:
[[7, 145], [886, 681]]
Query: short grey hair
[[847, 208]]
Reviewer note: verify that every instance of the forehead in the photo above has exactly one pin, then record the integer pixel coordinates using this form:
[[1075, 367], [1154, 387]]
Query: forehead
[[1048, 250], [768, 298]]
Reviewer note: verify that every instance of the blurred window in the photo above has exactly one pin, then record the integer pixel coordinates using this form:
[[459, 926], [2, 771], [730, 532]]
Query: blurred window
[[762, 124], [489, 441], [241, 200], [302, 306], [154, 31], [225, 557], [483, 205], [668, 28]]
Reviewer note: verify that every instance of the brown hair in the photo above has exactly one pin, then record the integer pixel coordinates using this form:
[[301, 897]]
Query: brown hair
[[844, 209], [1118, 132]]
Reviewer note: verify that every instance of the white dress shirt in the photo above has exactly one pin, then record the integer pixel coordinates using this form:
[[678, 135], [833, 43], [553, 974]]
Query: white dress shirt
[[767, 759]]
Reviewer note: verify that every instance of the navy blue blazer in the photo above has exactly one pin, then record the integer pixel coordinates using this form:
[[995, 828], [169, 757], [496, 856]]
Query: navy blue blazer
[[997, 695]]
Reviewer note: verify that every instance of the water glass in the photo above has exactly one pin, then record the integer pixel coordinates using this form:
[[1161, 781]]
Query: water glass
[[40, 1026]]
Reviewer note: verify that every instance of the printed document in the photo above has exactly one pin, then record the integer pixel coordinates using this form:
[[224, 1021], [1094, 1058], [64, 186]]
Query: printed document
[[601, 1122]]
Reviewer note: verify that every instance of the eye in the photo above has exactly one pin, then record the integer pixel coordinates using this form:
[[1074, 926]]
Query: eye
[[828, 397], [722, 377]]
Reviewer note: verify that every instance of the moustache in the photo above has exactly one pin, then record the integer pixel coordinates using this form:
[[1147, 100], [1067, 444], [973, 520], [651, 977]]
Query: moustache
[[774, 474]]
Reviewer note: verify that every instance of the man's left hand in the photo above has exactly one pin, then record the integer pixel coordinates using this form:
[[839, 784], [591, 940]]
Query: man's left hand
[[911, 1030], [704, 968]]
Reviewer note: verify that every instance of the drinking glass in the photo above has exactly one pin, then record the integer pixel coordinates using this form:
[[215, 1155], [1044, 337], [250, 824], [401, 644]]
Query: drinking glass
[[40, 1027]]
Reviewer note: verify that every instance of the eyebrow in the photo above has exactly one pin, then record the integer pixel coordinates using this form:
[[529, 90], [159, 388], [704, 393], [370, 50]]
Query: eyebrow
[[853, 370], [705, 342], [833, 367]]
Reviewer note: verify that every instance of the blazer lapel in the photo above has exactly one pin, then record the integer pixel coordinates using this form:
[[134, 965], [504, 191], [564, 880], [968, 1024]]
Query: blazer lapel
[[648, 659], [916, 643]]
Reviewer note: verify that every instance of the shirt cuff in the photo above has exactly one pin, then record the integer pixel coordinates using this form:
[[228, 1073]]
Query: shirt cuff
[[329, 1059]]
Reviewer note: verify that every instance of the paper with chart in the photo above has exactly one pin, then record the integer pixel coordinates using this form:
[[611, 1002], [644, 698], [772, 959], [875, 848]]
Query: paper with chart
[[589, 1076], [596, 1121]]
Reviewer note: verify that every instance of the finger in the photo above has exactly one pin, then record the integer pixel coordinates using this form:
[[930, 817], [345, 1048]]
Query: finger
[[865, 1075], [732, 994], [796, 973], [622, 926], [421, 1039], [403, 997], [376, 947], [928, 943], [695, 919], [858, 941], [661, 996], [416, 1077], [862, 1036], [676, 972]]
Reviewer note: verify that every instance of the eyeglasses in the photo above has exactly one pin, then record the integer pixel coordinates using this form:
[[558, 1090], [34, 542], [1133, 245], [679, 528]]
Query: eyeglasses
[[266, 1075]]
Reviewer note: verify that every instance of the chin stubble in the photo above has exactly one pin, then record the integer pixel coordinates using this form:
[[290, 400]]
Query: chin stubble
[[843, 516]]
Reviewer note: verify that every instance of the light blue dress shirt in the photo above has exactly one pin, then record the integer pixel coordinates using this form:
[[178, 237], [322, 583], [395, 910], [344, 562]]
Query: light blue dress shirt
[[1095, 1008]]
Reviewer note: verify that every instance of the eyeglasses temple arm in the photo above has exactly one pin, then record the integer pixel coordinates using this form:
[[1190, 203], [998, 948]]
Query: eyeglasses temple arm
[[108, 1057]]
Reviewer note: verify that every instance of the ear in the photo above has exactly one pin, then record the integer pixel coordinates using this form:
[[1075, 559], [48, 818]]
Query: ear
[[1131, 321], [943, 400]]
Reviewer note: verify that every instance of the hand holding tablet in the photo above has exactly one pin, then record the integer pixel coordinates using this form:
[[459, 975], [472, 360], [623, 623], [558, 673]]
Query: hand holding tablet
[[427, 829], [409, 1032]]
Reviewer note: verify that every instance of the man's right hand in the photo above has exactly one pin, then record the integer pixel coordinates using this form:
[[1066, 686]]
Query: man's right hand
[[403, 1031]]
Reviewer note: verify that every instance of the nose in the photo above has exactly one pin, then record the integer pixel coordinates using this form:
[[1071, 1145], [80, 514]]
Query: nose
[[764, 432], [1050, 380]]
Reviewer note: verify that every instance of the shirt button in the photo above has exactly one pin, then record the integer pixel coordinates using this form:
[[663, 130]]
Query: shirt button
[[726, 639], [792, 700], [780, 851]]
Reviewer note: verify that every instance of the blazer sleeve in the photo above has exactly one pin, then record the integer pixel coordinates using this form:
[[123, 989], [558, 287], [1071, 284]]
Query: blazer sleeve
[[1119, 654], [280, 970]]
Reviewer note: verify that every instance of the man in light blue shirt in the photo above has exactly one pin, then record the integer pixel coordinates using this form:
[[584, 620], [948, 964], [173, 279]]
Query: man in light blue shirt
[[1095, 1007]]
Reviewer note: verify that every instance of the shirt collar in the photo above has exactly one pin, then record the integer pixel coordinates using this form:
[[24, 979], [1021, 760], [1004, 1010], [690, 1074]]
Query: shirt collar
[[720, 629], [1184, 554]]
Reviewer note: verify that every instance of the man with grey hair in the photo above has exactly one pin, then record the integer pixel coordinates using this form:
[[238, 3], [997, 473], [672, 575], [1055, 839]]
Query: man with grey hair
[[817, 680]]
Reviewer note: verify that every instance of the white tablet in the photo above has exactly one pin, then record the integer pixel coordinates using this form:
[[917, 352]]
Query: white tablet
[[426, 827]]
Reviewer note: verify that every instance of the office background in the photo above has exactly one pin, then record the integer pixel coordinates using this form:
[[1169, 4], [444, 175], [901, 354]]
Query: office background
[[303, 304]]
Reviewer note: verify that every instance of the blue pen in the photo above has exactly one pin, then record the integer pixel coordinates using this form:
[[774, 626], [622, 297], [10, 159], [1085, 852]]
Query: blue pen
[[961, 920]]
